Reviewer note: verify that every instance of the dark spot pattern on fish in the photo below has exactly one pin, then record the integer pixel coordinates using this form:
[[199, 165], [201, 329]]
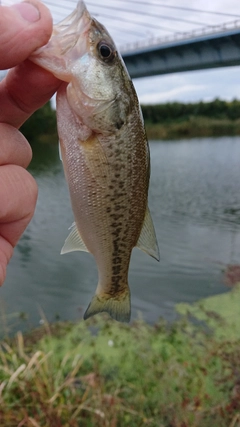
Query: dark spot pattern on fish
[[117, 152], [117, 287], [117, 207], [118, 167], [117, 253], [116, 216], [116, 232], [118, 195], [117, 260], [116, 224], [116, 269], [119, 124]]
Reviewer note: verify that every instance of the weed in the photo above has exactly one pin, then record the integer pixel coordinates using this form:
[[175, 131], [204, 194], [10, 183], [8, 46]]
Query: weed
[[102, 373]]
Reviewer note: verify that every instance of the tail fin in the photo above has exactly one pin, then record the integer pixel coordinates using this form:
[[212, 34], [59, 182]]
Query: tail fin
[[117, 306]]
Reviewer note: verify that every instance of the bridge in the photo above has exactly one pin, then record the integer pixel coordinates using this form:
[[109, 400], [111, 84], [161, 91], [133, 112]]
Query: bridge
[[166, 37], [211, 47], [198, 39]]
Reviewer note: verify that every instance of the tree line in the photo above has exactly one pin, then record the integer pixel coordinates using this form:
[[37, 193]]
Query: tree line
[[42, 124], [177, 111]]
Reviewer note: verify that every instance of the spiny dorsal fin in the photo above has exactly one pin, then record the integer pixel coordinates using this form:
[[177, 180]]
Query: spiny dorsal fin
[[147, 241], [73, 242]]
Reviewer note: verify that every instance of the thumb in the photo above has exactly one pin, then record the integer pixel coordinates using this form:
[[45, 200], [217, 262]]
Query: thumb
[[23, 28]]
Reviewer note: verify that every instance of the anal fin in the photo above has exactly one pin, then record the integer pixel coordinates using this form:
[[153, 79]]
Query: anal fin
[[147, 241], [74, 241]]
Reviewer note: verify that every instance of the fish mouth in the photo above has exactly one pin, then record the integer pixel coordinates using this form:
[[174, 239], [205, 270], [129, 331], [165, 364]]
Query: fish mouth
[[74, 24], [67, 43]]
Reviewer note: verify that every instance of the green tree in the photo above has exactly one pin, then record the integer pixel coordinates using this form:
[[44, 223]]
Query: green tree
[[42, 122]]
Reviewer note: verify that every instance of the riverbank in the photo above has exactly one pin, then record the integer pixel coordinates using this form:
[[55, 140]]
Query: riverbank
[[189, 120], [102, 373], [164, 121], [193, 127]]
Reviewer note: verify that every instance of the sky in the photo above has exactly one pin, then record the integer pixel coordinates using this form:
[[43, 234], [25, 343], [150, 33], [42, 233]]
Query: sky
[[132, 20]]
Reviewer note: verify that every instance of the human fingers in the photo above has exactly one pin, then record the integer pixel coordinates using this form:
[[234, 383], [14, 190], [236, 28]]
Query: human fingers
[[25, 89], [23, 28], [18, 195], [14, 147], [6, 251]]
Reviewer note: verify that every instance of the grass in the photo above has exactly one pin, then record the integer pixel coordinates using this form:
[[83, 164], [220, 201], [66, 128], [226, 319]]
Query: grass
[[102, 373]]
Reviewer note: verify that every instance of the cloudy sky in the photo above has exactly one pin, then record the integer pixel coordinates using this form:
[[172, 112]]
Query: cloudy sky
[[139, 20]]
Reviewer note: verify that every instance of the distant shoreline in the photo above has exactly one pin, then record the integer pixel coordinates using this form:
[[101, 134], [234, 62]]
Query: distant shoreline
[[163, 121], [176, 120], [192, 128]]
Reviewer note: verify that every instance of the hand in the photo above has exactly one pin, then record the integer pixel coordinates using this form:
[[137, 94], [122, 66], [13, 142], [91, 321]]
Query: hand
[[23, 28]]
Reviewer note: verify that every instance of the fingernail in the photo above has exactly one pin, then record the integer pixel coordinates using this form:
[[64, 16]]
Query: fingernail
[[28, 11]]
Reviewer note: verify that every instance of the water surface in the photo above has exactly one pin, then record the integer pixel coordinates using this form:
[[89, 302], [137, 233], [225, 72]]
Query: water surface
[[194, 198]]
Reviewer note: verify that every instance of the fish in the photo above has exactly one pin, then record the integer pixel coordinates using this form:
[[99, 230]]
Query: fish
[[105, 155]]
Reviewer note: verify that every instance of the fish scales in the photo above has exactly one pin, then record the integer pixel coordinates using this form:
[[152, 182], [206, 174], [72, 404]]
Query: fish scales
[[121, 213], [105, 155]]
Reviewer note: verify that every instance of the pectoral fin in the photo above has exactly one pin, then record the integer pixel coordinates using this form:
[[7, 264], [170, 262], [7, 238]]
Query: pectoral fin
[[147, 241], [59, 151], [96, 160], [73, 242]]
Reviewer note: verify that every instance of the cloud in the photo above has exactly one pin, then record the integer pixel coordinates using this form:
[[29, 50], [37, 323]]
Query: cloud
[[191, 86], [173, 94]]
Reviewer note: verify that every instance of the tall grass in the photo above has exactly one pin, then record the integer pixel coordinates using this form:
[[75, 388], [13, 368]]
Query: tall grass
[[101, 373]]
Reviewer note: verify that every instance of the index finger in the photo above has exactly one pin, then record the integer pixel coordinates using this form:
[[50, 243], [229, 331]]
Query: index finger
[[25, 89], [23, 28]]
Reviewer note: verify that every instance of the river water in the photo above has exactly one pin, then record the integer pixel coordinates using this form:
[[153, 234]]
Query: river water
[[194, 198]]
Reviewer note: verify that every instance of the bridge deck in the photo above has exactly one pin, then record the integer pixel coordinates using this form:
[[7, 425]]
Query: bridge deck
[[205, 51]]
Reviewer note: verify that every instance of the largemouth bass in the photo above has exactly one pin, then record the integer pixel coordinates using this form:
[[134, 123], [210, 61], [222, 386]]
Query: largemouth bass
[[105, 155]]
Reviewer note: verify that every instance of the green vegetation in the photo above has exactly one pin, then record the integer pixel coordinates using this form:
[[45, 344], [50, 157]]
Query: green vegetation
[[178, 120], [163, 121], [176, 111], [193, 127], [101, 373], [41, 126]]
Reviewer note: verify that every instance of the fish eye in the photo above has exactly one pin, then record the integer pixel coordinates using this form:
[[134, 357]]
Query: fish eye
[[105, 51]]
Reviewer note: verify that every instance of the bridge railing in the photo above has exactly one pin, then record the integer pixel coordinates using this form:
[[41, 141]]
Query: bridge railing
[[178, 36]]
